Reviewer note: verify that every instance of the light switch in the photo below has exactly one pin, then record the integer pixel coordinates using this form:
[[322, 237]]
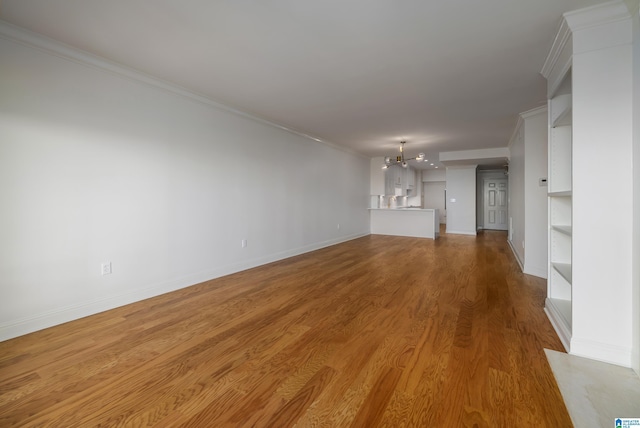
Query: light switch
[[452, 200]]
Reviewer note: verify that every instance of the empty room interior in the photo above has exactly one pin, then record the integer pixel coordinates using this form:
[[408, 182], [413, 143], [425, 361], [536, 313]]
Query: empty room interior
[[361, 213]]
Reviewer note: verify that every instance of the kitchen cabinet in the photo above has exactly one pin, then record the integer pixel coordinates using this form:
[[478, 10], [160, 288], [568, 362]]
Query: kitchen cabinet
[[389, 181], [410, 178], [400, 181]]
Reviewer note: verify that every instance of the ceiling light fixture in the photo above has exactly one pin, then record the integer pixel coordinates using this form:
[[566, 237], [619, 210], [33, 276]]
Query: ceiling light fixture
[[400, 160]]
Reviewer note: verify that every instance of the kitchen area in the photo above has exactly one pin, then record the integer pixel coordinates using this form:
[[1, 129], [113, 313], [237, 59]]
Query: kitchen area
[[397, 204]]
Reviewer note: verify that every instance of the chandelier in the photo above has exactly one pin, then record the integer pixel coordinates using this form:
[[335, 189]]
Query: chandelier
[[400, 160]]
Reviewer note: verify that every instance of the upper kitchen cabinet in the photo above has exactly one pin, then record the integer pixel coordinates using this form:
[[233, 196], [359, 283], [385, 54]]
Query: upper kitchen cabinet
[[400, 181], [393, 181], [410, 178], [390, 180]]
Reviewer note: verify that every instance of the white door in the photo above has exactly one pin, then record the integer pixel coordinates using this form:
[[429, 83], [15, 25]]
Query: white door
[[434, 197], [495, 204]]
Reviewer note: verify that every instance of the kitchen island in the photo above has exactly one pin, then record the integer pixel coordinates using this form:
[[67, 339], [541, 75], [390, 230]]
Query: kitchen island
[[415, 222]]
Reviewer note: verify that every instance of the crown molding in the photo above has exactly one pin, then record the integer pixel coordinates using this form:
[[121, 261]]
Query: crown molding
[[521, 120], [558, 61], [563, 36], [600, 14], [533, 112], [51, 46], [516, 129]]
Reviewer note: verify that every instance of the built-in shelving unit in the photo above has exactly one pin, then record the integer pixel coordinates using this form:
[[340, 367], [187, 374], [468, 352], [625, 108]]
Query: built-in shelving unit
[[559, 293], [592, 270]]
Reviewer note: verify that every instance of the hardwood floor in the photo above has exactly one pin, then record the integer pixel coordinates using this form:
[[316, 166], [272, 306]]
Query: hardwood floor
[[379, 331]]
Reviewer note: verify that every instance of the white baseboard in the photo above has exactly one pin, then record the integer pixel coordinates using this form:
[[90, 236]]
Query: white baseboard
[[517, 256], [22, 326], [558, 323], [540, 272], [461, 232], [612, 354]]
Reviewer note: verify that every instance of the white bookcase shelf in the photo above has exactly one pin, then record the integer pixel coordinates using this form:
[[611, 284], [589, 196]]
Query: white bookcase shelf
[[560, 275], [560, 111], [564, 269], [592, 141], [566, 229], [562, 193]]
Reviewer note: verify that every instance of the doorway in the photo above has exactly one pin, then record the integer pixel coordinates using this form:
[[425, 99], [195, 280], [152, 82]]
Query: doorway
[[433, 195], [496, 207]]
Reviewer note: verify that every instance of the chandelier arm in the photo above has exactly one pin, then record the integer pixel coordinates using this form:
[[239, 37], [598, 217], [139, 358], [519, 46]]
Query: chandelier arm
[[400, 160]]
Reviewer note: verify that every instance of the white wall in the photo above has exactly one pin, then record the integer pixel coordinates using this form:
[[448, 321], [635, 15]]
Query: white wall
[[461, 199], [434, 175], [535, 196], [434, 182], [376, 176], [96, 166], [527, 199], [434, 195], [517, 211], [635, 363]]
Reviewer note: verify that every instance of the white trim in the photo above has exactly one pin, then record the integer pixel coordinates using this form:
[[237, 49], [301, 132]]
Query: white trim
[[461, 232], [562, 37], [515, 253], [41, 321], [534, 112], [558, 324], [519, 123], [604, 352], [599, 14], [23, 36], [461, 155]]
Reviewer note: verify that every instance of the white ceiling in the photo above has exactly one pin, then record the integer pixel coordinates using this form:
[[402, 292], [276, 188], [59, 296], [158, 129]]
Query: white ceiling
[[442, 74]]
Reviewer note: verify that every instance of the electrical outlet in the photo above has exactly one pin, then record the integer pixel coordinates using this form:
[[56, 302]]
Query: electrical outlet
[[243, 243], [106, 268]]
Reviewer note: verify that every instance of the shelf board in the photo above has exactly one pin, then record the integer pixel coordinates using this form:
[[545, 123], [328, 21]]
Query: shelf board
[[565, 229], [561, 107], [560, 193], [564, 119], [564, 269]]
